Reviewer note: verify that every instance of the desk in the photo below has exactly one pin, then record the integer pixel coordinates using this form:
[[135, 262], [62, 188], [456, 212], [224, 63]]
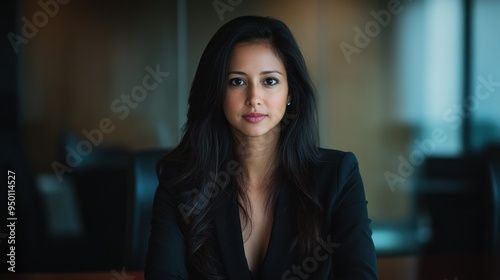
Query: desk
[[398, 268], [74, 276], [439, 268]]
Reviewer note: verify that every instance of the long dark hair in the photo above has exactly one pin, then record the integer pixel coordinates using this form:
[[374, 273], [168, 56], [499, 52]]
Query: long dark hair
[[207, 145]]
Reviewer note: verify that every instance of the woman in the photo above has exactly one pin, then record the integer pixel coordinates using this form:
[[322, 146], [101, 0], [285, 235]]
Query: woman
[[247, 194]]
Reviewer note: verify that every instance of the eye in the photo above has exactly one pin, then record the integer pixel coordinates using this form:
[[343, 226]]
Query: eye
[[236, 82], [271, 81]]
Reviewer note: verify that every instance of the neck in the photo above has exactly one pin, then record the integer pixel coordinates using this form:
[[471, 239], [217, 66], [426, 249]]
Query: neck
[[258, 156]]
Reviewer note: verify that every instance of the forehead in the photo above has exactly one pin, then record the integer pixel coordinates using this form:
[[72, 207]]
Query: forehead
[[255, 56]]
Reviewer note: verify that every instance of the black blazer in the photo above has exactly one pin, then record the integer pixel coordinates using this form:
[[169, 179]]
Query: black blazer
[[346, 252]]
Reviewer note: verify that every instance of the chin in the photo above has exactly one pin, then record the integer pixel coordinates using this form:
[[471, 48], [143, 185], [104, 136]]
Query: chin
[[253, 134], [256, 132]]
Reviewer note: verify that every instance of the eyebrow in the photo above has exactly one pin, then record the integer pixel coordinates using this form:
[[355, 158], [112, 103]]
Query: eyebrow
[[261, 73]]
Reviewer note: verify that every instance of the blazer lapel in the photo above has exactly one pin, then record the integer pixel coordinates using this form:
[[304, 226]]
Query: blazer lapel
[[279, 258], [228, 227]]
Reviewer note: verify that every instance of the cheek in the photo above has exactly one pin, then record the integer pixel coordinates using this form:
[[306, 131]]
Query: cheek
[[279, 104], [231, 104]]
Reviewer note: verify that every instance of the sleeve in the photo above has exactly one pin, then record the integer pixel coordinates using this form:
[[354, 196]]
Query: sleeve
[[355, 258], [166, 250]]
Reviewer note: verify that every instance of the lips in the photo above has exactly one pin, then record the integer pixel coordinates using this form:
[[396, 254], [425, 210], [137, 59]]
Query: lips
[[254, 117]]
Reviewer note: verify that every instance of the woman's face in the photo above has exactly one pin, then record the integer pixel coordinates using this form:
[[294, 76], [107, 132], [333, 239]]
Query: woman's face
[[257, 90]]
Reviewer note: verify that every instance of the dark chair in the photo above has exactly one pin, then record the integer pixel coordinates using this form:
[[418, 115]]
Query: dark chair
[[142, 186], [495, 176], [100, 180], [492, 153], [454, 195]]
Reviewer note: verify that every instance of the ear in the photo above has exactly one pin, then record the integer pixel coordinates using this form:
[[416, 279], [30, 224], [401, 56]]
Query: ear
[[289, 99]]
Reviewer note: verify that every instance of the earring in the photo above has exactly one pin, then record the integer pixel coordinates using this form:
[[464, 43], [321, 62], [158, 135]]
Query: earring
[[289, 103]]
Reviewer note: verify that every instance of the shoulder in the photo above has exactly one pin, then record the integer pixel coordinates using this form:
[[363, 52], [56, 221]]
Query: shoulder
[[167, 169], [169, 173], [334, 170], [329, 158], [171, 165]]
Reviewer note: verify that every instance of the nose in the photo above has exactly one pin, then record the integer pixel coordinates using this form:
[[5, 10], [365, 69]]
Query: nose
[[254, 97]]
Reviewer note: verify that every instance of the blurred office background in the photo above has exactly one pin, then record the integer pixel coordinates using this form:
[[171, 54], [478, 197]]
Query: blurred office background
[[411, 87]]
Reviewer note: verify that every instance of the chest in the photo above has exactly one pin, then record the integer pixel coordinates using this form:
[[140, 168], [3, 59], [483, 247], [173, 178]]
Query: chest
[[256, 231]]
